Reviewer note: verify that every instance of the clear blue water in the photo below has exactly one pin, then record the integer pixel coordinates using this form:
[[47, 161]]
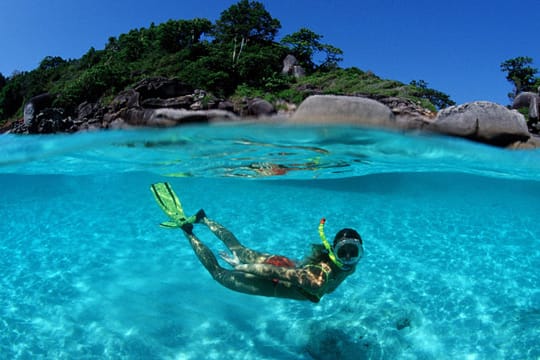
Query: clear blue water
[[451, 231]]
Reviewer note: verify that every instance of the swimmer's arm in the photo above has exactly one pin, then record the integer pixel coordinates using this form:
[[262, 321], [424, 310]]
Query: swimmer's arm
[[301, 277]]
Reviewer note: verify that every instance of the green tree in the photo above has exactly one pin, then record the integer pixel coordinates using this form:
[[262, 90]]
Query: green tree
[[131, 46], [20, 87], [436, 97], [128, 47], [520, 74], [12, 95], [247, 20], [175, 35], [51, 63], [333, 56], [209, 73], [3, 81], [306, 44], [50, 70], [242, 23], [259, 63], [112, 45], [90, 85], [91, 58]]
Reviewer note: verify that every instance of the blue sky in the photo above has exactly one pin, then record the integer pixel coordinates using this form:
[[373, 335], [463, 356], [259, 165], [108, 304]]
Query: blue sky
[[456, 46]]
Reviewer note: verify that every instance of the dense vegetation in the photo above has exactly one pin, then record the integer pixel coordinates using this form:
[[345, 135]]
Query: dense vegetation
[[235, 56]]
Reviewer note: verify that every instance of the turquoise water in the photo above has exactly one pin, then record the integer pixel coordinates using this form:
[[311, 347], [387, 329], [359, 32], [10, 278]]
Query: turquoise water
[[451, 232]]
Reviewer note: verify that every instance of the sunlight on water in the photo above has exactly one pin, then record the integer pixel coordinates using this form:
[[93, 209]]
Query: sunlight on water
[[260, 151], [450, 229]]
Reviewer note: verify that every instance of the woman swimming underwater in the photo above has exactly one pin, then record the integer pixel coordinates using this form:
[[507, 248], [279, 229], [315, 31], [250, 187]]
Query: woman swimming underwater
[[259, 273]]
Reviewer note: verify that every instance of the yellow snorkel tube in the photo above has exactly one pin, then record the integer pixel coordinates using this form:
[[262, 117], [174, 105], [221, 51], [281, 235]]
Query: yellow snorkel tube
[[327, 245]]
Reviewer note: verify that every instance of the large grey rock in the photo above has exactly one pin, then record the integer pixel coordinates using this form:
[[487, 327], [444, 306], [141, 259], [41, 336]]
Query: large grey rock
[[291, 67], [298, 72], [163, 88], [34, 106], [226, 105], [351, 110], [170, 117], [529, 100], [125, 99], [50, 121], [260, 107], [409, 114], [180, 102], [288, 63], [482, 121], [87, 111]]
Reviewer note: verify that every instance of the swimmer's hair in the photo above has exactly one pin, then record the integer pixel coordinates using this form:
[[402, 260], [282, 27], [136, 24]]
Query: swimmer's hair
[[318, 254], [347, 233]]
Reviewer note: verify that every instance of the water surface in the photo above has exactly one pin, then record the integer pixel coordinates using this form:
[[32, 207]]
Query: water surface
[[450, 229]]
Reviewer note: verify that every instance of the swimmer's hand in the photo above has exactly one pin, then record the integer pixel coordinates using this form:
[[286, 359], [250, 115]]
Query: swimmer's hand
[[233, 260]]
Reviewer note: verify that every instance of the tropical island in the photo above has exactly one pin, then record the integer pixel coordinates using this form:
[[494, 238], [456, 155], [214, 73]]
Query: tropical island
[[195, 70]]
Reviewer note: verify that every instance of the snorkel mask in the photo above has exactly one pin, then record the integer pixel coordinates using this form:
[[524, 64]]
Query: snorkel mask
[[346, 253]]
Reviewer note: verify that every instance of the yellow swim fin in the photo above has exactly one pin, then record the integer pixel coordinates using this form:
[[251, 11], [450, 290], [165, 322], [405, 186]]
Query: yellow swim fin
[[171, 205]]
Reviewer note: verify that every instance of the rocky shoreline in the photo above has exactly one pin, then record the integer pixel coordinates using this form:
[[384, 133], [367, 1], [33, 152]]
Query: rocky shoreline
[[161, 102]]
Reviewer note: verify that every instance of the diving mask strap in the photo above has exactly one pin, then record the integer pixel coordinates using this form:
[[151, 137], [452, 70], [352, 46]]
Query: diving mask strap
[[327, 245]]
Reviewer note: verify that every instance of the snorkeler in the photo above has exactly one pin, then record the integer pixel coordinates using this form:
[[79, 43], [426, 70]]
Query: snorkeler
[[264, 274]]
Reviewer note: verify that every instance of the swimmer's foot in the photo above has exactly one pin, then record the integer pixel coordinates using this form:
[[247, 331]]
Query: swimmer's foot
[[187, 227], [186, 224], [199, 216]]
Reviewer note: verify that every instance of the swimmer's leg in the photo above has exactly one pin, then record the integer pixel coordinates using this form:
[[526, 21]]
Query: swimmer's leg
[[238, 280], [246, 256], [205, 255], [253, 285]]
